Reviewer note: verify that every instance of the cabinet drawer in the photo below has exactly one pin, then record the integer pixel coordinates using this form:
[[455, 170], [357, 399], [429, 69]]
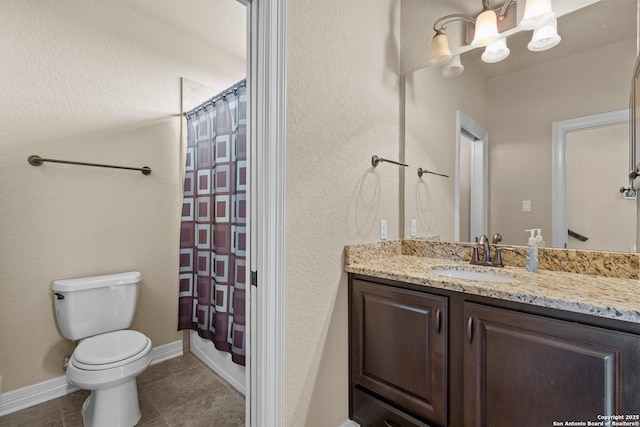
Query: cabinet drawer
[[371, 412]]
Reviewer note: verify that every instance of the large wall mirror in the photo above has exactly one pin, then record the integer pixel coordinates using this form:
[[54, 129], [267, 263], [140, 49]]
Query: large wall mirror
[[518, 101]]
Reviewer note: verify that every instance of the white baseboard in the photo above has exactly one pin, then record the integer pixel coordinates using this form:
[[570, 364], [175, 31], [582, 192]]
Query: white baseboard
[[25, 397], [349, 423], [166, 352]]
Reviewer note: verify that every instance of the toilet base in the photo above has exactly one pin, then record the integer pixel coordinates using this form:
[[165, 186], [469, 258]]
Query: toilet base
[[112, 407]]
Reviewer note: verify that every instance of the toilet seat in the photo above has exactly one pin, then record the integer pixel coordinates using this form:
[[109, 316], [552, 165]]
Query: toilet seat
[[110, 350]]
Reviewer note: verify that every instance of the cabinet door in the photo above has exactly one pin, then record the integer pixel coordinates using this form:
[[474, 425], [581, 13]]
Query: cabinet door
[[399, 348], [530, 370]]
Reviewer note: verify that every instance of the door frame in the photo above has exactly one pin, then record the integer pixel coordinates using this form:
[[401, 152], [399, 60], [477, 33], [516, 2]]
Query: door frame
[[266, 77], [479, 177]]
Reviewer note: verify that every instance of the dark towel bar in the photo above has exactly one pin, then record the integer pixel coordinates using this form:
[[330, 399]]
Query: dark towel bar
[[37, 161], [375, 161], [424, 171]]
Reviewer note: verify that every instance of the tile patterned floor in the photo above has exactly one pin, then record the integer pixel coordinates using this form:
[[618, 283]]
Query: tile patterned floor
[[178, 392]]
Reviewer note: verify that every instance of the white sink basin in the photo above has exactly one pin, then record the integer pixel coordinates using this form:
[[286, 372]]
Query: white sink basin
[[475, 275]]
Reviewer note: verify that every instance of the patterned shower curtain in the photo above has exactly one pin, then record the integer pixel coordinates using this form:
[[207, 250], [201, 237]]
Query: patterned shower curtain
[[213, 234]]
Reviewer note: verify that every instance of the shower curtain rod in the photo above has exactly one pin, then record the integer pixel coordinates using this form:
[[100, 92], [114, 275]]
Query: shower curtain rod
[[217, 97]]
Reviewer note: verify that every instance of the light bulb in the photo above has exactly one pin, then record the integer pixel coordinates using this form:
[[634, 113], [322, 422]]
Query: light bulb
[[536, 14], [453, 68], [496, 51], [486, 29], [545, 37], [440, 52]]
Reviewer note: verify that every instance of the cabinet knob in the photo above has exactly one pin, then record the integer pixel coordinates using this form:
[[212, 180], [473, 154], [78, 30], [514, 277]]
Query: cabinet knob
[[389, 423], [438, 321], [470, 329]]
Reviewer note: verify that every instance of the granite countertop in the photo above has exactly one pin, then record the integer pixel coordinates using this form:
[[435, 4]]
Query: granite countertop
[[598, 295]]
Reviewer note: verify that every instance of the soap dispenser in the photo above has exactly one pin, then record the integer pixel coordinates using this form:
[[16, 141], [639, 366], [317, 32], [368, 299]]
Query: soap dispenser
[[532, 252], [539, 239]]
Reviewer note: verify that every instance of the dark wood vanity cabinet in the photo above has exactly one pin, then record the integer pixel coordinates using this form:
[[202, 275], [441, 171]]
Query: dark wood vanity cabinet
[[442, 358], [398, 354], [521, 369]]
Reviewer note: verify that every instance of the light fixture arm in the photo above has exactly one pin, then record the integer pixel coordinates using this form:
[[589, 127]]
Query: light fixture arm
[[503, 10], [441, 24], [489, 30]]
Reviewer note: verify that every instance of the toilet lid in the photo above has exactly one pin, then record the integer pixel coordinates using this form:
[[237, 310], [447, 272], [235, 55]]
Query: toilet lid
[[110, 347]]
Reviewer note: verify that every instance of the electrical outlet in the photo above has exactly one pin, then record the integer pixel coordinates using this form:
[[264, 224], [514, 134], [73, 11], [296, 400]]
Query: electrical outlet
[[526, 206], [414, 228], [383, 229]]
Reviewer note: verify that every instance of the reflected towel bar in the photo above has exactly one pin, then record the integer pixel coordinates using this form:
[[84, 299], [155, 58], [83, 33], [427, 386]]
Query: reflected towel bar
[[375, 160], [424, 171], [37, 161]]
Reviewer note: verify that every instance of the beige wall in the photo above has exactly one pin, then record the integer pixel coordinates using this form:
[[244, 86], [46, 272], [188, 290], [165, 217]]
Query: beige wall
[[517, 109], [98, 82], [596, 162], [523, 106], [431, 103], [342, 108]]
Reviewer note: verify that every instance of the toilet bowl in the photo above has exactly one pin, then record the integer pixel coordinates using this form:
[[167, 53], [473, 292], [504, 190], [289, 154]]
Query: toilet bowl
[[108, 365], [97, 310]]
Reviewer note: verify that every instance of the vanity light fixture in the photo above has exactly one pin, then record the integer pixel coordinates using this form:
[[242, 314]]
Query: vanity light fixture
[[453, 68], [486, 31], [496, 51], [536, 14], [545, 37], [490, 30], [440, 52]]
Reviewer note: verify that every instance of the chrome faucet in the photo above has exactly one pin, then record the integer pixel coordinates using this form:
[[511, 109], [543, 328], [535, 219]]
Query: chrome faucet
[[485, 259], [486, 251]]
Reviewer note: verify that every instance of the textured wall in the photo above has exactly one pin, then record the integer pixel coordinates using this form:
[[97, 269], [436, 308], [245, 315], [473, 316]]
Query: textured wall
[[342, 108], [431, 103], [520, 138], [98, 82], [517, 109], [601, 213]]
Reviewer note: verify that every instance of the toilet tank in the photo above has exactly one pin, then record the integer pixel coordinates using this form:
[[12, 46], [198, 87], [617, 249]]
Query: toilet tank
[[89, 306]]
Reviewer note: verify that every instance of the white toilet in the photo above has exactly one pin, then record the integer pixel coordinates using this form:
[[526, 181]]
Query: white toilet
[[97, 310]]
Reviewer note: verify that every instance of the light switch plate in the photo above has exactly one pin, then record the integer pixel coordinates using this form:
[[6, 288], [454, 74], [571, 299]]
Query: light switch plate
[[526, 206], [414, 228], [383, 229]]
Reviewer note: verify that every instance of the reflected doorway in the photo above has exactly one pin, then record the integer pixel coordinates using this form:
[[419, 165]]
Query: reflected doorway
[[471, 180], [596, 210], [466, 145], [590, 160]]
